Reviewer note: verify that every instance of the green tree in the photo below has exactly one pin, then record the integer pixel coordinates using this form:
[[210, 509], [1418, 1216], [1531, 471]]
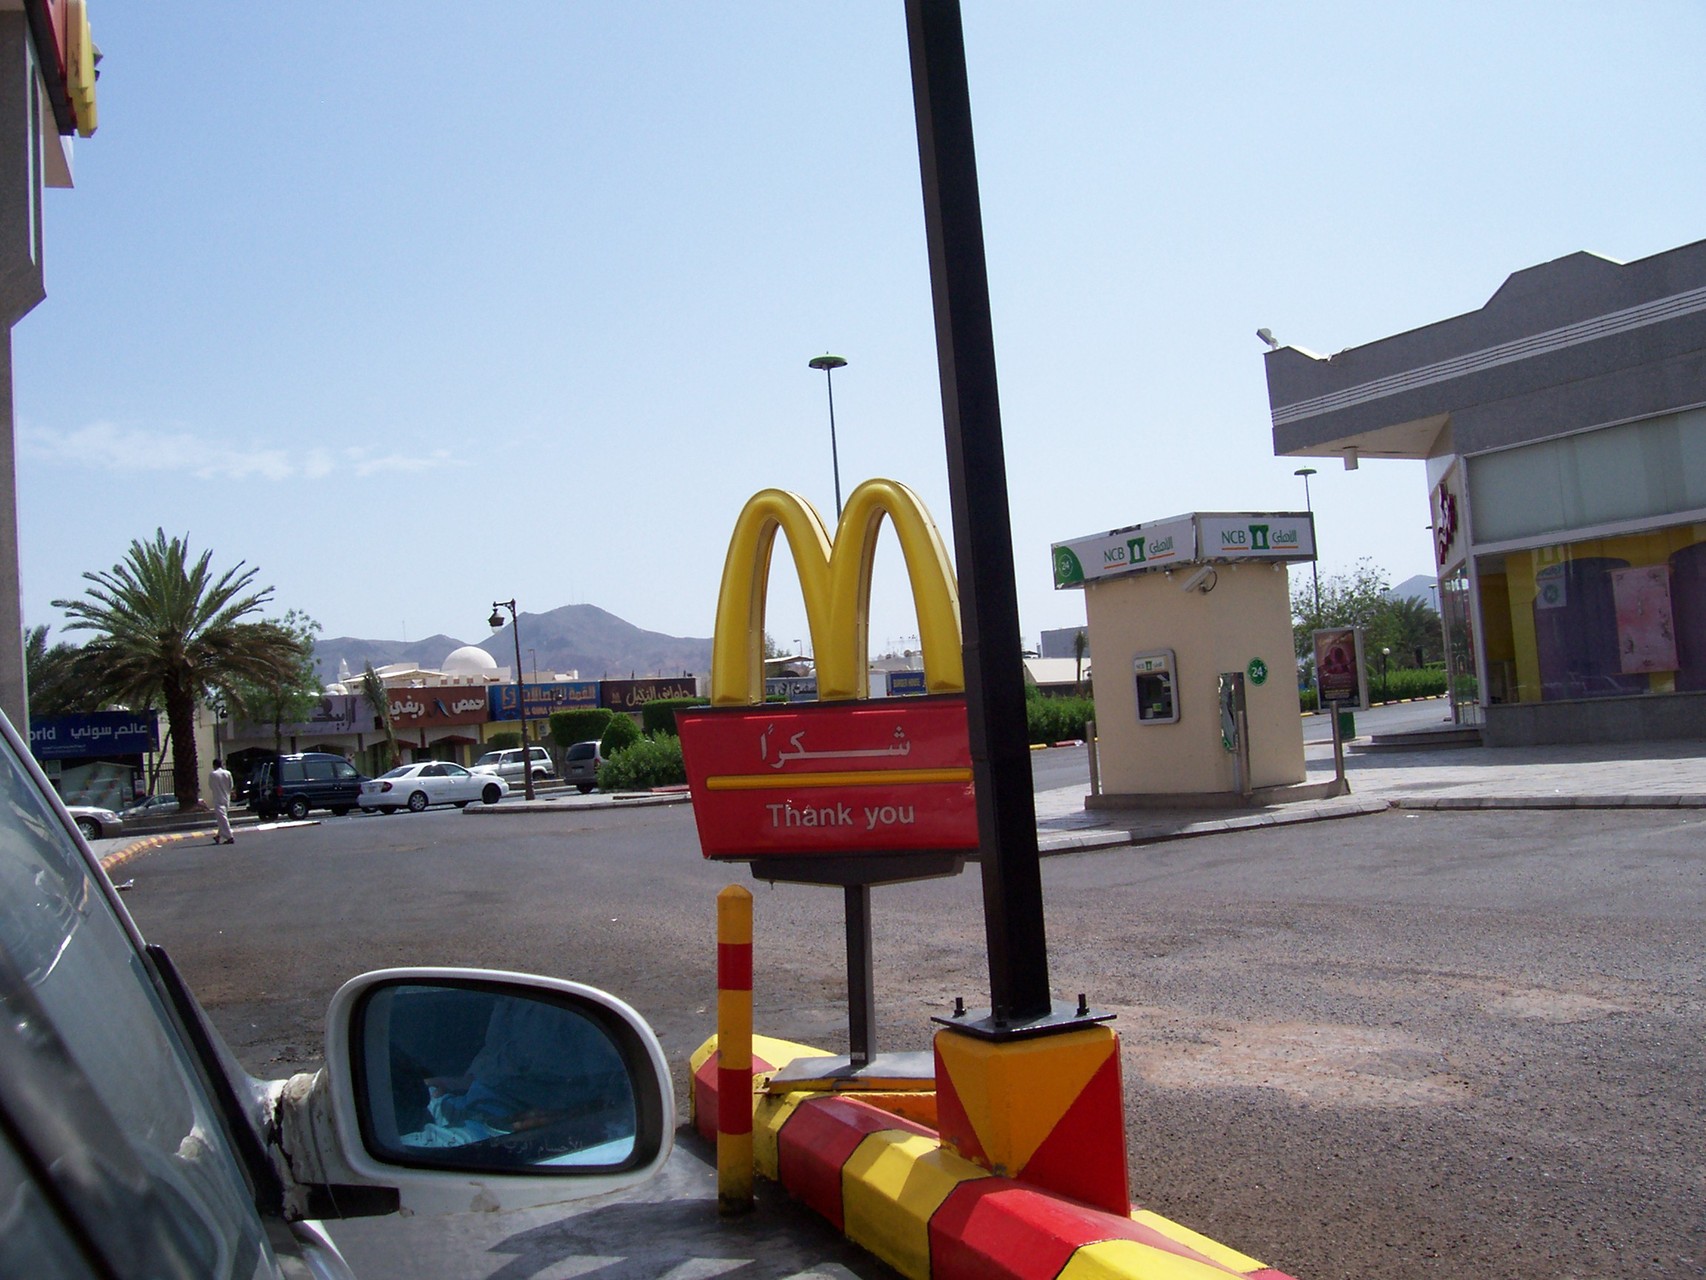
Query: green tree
[[1080, 646], [1410, 626], [48, 673], [578, 724], [1355, 599], [619, 733], [167, 628], [373, 689], [290, 695]]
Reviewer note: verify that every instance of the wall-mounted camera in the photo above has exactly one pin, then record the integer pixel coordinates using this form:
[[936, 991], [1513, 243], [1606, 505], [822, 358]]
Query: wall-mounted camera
[[1203, 580]]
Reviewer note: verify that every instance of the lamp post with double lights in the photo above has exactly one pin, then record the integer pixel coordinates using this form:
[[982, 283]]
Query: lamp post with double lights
[[1314, 563], [829, 364], [497, 621]]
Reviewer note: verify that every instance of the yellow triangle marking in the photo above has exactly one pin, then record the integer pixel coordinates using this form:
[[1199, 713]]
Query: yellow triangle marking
[[1015, 1093]]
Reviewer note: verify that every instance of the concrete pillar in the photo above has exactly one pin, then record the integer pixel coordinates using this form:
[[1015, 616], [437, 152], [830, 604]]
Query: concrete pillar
[[21, 126]]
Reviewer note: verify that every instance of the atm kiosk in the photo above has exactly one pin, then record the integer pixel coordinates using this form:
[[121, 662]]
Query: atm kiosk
[[1195, 683]]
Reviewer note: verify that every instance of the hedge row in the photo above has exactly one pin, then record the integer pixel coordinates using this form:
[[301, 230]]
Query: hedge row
[[1397, 686], [1056, 719]]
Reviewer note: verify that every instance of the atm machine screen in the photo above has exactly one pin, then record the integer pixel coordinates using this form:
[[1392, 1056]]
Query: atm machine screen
[[1157, 693]]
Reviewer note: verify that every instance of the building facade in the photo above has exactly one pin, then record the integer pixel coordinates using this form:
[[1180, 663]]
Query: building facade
[[1564, 429]]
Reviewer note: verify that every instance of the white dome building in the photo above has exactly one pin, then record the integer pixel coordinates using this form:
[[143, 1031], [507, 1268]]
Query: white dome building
[[471, 663]]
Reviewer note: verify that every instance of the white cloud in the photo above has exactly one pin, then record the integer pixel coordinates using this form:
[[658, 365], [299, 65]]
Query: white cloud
[[108, 447]]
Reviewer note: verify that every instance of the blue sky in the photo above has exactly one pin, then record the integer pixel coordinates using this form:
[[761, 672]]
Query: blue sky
[[414, 306]]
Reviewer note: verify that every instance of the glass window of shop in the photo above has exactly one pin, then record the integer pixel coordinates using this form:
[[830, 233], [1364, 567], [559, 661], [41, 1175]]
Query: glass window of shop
[[1599, 617], [1637, 471]]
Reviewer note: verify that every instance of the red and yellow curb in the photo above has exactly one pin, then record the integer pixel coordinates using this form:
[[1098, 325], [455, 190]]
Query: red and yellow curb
[[891, 1185]]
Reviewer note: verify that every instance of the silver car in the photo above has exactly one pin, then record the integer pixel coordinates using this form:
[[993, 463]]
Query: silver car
[[511, 764]]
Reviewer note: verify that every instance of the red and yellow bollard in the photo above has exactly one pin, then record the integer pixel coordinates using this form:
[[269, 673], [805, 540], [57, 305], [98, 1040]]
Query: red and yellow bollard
[[734, 1051]]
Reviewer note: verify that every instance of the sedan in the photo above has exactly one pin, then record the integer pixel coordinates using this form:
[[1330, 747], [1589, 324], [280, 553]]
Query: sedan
[[415, 786], [153, 807], [94, 821]]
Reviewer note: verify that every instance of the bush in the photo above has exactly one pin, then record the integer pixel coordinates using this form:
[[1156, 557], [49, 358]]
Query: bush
[[502, 741], [580, 724], [619, 733], [1410, 682], [1056, 719], [652, 761], [659, 716]]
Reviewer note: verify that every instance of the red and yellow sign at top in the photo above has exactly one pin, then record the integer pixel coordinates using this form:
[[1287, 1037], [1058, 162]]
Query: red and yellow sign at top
[[847, 774]]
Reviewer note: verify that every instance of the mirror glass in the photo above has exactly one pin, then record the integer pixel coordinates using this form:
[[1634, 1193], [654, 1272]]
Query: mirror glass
[[483, 1076]]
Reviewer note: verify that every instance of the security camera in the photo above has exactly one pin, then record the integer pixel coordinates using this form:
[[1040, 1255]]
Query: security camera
[[1202, 580]]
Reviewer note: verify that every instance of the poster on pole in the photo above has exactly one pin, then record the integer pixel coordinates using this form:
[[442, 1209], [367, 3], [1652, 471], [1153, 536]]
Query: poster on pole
[[1340, 675]]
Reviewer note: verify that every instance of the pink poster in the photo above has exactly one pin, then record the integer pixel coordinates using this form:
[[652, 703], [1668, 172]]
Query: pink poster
[[1646, 639]]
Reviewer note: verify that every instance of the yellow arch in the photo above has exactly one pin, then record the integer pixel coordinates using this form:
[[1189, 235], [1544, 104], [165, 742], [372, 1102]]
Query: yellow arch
[[835, 583]]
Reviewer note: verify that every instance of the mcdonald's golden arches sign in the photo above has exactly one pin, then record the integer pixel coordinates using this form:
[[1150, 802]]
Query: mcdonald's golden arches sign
[[847, 774]]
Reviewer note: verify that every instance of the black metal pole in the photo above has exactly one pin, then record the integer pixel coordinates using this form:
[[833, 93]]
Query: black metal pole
[[861, 984], [983, 540], [834, 452]]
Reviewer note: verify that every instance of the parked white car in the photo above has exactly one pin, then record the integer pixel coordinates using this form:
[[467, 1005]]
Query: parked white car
[[428, 782], [508, 764]]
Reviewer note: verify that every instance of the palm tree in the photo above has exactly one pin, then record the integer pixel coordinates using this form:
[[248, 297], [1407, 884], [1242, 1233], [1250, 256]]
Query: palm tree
[[53, 692], [170, 630], [373, 689], [1080, 646]]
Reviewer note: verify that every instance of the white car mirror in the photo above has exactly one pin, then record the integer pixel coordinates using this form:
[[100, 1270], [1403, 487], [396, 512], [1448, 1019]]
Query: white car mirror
[[466, 1089]]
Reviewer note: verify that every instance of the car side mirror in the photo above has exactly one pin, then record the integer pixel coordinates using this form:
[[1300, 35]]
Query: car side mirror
[[464, 1089]]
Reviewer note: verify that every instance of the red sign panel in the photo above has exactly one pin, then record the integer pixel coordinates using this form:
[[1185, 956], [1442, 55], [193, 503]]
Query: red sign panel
[[876, 776]]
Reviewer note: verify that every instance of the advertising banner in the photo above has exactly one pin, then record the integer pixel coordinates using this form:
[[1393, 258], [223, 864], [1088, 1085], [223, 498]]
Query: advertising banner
[[333, 713], [1274, 536], [542, 699], [791, 688], [1646, 632], [830, 777], [631, 695], [1338, 667], [1201, 536], [97, 733], [1156, 545], [434, 706], [906, 684]]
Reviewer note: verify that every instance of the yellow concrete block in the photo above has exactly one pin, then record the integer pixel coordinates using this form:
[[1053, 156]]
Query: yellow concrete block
[[1213, 1249], [770, 1113], [1131, 1260], [890, 1187]]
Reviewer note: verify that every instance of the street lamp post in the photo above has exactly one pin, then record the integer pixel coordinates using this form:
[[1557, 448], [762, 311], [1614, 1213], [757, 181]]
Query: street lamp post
[[1385, 657], [829, 364], [1314, 563], [497, 621]]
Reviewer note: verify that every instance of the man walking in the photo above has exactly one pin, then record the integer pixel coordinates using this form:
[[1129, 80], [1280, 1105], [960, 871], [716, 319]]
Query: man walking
[[219, 786]]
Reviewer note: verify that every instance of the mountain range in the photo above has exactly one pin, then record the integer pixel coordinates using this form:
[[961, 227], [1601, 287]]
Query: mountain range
[[576, 637]]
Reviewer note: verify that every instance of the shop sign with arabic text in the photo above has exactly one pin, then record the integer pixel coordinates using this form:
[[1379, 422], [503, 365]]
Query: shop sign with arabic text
[[438, 705], [543, 699], [631, 695], [830, 777]]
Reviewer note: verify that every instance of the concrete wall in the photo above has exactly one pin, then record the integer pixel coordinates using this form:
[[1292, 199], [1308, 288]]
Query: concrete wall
[[1646, 718], [1247, 615]]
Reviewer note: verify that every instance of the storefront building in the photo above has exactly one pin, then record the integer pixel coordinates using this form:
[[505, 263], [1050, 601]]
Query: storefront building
[[1564, 429], [99, 757]]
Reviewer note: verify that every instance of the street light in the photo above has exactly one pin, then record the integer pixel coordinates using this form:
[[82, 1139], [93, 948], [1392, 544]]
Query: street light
[[497, 621], [1314, 563], [1385, 689], [829, 364]]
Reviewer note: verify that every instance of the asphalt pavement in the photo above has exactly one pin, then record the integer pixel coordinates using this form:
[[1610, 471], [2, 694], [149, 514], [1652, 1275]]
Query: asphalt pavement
[[670, 1226]]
